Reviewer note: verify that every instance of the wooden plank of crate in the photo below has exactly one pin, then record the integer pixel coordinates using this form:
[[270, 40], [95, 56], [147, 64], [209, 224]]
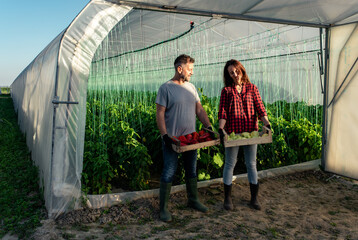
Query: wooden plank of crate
[[249, 141], [180, 149]]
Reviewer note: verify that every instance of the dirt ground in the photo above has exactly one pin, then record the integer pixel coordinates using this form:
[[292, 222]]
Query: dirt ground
[[306, 205]]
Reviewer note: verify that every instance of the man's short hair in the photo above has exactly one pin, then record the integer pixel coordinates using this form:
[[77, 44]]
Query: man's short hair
[[183, 59]]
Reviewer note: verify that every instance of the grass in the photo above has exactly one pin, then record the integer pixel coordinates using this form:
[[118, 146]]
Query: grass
[[4, 90], [21, 201]]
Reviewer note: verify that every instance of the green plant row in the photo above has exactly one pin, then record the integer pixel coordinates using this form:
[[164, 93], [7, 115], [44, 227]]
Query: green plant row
[[21, 201], [113, 152], [123, 145]]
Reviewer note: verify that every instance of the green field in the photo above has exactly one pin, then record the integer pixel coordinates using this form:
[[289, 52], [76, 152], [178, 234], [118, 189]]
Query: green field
[[21, 201], [4, 90]]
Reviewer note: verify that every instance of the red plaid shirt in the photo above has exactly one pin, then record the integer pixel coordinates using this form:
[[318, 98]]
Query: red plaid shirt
[[240, 110]]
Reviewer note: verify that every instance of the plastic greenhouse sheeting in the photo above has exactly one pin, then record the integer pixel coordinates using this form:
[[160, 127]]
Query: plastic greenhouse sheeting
[[277, 53], [323, 13], [55, 131], [32, 93], [341, 152], [50, 94]]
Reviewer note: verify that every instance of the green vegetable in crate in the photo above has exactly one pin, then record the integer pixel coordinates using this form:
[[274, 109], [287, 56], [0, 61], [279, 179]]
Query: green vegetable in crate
[[254, 134], [246, 135], [233, 136]]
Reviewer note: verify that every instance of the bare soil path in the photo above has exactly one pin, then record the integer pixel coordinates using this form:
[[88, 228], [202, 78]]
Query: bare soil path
[[305, 205]]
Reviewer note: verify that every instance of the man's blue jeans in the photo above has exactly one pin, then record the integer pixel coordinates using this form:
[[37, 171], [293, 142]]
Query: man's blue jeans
[[250, 161], [170, 158]]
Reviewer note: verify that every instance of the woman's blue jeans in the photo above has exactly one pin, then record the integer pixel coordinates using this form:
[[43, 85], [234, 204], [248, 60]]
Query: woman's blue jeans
[[170, 158], [231, 159]]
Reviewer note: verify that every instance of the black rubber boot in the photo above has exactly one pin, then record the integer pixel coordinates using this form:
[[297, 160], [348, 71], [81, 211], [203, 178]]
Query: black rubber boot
[[192, 193], [254, 189], [164, 194], [228, 201]]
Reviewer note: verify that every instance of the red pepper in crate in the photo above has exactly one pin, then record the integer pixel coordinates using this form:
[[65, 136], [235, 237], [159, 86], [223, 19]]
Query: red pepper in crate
[[194, 141], [195, 135], [183, 139], [189, 137], [203, 137], [193, 138]]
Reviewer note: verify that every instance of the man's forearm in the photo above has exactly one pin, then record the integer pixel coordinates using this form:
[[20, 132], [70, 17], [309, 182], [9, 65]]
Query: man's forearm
[[161, 127], [204, 119], [202, 115], [160, 117]]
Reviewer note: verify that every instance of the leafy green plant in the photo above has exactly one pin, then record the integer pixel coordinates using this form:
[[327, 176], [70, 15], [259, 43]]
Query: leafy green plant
[[210, 160], [293, 142], [210, 163], [113, 152], [5, 90], [146, 127], [129, 155], [122, 128]]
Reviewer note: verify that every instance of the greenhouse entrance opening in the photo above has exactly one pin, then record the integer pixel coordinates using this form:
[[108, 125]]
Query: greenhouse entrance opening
[[122, 150]]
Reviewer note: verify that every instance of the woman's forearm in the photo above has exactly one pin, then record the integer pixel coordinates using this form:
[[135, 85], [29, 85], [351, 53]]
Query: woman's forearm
[[265, 120], [222, 123]]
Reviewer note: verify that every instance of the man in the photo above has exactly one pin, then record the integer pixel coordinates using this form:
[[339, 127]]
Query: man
[[178, 105]]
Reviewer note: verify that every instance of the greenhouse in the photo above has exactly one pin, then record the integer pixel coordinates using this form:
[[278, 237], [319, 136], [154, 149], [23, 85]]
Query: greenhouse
[[86, 102]]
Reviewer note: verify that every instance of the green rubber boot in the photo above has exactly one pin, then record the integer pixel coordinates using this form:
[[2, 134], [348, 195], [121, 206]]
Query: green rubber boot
[[164, 194], [192, 192]]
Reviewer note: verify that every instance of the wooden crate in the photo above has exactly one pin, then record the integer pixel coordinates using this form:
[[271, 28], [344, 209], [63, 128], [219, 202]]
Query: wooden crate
[[180, 149], [250, 141]]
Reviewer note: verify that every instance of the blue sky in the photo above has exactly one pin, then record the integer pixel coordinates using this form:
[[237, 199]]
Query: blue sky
[[26, 27]]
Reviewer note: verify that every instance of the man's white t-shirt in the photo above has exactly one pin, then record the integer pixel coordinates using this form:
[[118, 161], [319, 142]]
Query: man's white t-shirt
[[180, 103]]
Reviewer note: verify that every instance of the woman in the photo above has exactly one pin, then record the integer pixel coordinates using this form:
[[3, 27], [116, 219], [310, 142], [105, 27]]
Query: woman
[[240, 108]]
